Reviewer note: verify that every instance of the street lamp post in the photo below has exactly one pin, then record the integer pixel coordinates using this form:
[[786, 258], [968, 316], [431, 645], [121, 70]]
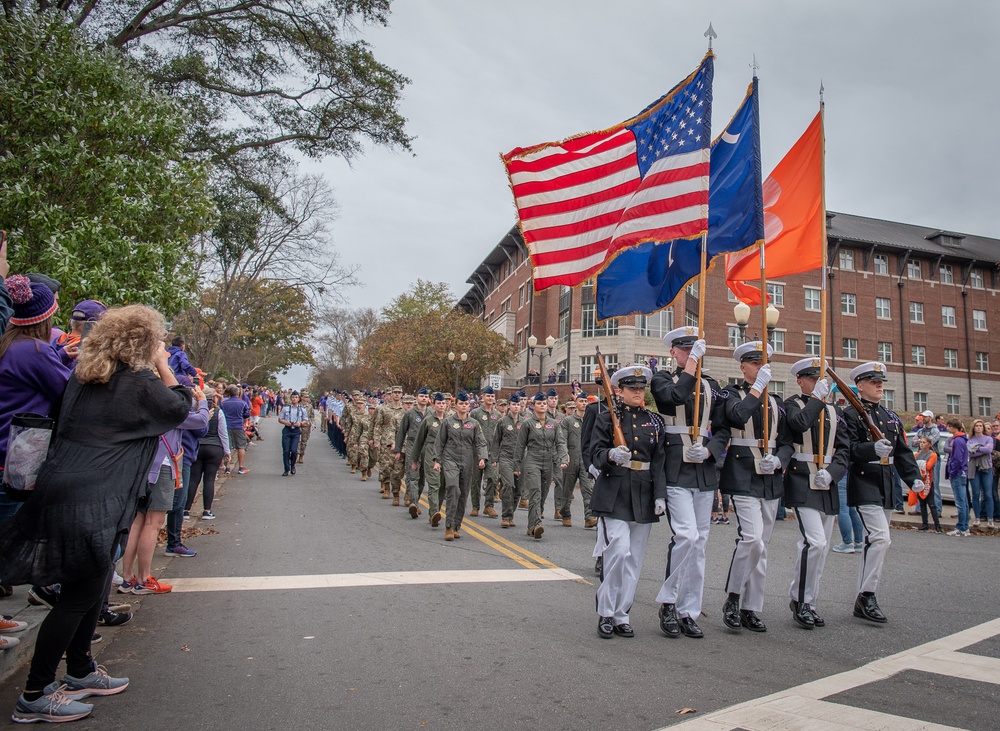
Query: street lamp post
[[456, 363], [532, 344], [771, 315], [742, 314]]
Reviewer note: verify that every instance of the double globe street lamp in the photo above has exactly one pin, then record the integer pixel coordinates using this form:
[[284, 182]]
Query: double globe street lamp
[[456, 362], [742, 314], [532, 344]]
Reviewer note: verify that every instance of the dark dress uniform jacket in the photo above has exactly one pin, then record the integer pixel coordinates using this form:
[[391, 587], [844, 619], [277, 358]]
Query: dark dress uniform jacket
[[868, 482], [802, 413], [739, 474], [669, 392], [621, 492], [587, 435]]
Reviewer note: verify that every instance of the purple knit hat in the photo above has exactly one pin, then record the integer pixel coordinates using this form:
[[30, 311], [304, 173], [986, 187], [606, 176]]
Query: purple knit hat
[[33, 302]]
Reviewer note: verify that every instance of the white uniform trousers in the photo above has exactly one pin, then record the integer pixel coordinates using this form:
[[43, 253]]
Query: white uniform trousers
[[748, 569], [816, 528], [876, 522], [689, 513], [622, 544]]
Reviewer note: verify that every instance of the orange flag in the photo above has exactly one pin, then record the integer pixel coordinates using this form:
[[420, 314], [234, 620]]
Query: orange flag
[[793, 218]]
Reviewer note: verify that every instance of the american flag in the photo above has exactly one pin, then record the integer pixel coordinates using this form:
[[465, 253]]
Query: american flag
[[582, 200]]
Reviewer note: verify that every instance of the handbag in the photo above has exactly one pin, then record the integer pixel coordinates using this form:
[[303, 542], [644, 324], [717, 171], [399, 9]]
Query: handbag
[[27, 449], [178, 465]]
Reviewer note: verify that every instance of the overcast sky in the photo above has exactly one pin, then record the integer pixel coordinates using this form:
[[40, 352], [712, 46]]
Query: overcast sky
[[912, 107]]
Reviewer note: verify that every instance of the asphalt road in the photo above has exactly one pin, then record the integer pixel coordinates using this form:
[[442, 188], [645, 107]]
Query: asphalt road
[[480, 650]]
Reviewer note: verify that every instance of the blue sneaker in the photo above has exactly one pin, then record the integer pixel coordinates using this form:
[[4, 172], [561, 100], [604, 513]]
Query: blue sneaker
[[96, 683], [53, 707], [180, 550]]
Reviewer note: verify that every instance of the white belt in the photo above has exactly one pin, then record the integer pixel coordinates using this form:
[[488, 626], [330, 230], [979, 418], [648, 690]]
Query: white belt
[[802, 457], [744, 442], [638, 466], [878, 461], [683, 430]]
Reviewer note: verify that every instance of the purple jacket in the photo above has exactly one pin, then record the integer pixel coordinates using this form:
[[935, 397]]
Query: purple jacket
[[958, 460], [179, 362], [236, 410], [196, 421], [32, 380]]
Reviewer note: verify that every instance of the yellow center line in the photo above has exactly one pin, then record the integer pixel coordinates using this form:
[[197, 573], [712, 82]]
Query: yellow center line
[[523, 551], [492, 544]]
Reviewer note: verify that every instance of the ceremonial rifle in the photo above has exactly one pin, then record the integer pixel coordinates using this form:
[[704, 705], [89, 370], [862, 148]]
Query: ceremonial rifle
[[856, 403], [615, 423]]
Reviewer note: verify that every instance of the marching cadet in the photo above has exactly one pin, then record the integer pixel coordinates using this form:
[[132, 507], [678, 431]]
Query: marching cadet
[[307, 427], [811, 488], [572, 425], [421, 457], [460, 451], [751, 474], [691, 478], [384, 426], [586, 438], [506, 437], [870, 480], [629, 496], [347, 425], [540, 445], [552, 408], [489, 419], [405, 435], [360, 433]]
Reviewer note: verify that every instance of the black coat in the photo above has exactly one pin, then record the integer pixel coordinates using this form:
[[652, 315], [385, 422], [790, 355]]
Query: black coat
[[86, 494], [868, 483], [739, 475], [803, 413]]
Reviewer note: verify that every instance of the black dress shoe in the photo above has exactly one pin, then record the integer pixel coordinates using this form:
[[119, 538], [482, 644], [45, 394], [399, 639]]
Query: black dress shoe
[[751, 621], [817, 620], [690, 628], [801, 614], [731, 614], [668, 620], [605, 628], [624, 630], [285, 473], [866, 607], [599, 567], [293, 470]]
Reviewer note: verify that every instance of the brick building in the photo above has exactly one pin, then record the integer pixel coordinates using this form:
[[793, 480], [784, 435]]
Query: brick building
[[922, 300]]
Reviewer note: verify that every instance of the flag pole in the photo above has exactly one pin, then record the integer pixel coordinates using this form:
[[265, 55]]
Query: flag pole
[[820, 457], [695, 431], [763, 346]]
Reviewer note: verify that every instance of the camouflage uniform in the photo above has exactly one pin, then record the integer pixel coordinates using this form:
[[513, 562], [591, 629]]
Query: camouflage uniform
[[362, 433], [385, 423], [306, 430]]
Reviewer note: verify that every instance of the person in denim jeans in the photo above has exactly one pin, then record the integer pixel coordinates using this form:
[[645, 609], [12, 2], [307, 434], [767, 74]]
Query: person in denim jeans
[[852, 533], [958, 470]]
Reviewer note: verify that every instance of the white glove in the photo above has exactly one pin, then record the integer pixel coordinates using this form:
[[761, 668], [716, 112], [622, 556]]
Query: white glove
[[769, 464], [823, 479], [822, 389], [620, 456], [918, 487], [697, 350], [763, 378], [660, 506], [883, 448], [594, 471], [696, 453]]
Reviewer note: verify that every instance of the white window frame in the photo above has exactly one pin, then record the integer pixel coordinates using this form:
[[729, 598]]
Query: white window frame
[[918, 355], [849, 348], [979, 320], [883, 308], [948, 316], [883, 351], [950, 358], [881, 264], [812, 293], [917, 312], [848, 304]]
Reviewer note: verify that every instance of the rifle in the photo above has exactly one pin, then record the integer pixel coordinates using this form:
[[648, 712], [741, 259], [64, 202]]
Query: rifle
[[615, 423], [856, 403]]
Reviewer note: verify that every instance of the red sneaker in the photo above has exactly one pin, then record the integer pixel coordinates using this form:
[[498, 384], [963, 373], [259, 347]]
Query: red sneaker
[[151, 586]]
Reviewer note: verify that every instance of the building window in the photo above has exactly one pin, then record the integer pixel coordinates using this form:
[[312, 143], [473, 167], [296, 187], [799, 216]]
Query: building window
[[588, 364], [953, 404], [884, 352], [590, 328], [777, 389], [692, 289], [889, 398], [913, 270], [777, 292], [812, 299], [847, 260], [505, 306], [947, 276], [850, 348], [982, 361], [691, 319], [976, 279], [918, 355], [919, 400], [883, 310], [947, 315], [979, 319], [986, 406], [777, 341], [950, 358], [519, 340], [881, 264], [734, 337], [656, 325], [848, 304], [916, 312], [731, 295], [564, 324], [520, 297], [812, 344]]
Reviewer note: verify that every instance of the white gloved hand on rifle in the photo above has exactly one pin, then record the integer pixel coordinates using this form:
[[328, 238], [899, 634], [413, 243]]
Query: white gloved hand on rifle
[[883, 448], [620, 456]]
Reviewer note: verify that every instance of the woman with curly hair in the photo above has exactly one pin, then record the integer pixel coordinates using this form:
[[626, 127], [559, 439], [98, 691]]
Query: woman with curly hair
[[113, 412]]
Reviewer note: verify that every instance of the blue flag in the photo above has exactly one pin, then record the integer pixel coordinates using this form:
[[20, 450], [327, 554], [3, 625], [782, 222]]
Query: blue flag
[[648, 277]]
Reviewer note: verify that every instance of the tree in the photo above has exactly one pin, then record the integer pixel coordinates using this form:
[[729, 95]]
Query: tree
[[423, 298], [413, 351], [94, 180], [256, 74]]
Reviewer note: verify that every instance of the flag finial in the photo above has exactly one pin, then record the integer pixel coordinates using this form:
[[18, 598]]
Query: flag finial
[[710, 34], [821, 91], [754, 66]]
